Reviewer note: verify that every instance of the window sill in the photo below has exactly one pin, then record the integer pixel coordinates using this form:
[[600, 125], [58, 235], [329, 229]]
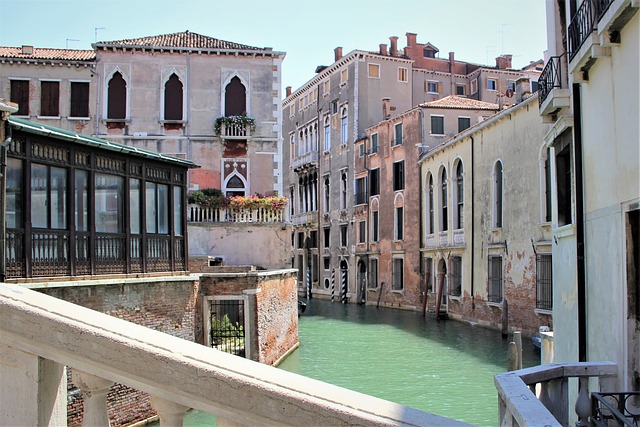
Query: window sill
[[116, 120], [440, 135], [48, 117], [494, 304], [397, 291], [540, 311], [564, 231], [455, 297], [78, 118], [173, 122], [434, 93]]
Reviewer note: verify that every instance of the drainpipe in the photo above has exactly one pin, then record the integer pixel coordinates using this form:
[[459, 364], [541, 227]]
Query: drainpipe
[[580, 265], [473, 263], [188, 112], [3, 194], [98, 93]]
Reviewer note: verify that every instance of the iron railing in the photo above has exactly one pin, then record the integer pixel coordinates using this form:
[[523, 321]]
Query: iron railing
[[544, 282], [550, 78], [615, 409], [581, 26]]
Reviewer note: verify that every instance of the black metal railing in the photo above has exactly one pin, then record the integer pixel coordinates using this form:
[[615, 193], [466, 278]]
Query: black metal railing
[[601, 7], [550, 78], [581, 26], [227, 326], [615, 409], [544, 282]]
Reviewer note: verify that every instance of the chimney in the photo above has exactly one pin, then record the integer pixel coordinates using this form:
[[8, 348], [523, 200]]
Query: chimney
[[393, 50], [288, 90], [411, 39], [503, 62], [27, 50], [386, 108], [337, 53], [523, 88], [452, 59], [383, 49]]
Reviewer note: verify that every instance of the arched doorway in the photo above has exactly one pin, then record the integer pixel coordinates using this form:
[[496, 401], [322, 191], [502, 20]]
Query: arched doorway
[[362, 281]]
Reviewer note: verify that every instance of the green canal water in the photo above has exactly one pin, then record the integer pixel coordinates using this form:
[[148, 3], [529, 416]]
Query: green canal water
[[444, 367]]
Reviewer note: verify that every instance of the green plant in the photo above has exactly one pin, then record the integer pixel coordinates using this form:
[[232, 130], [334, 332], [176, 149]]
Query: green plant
[[257, 201], [230, 121], [209, 198]]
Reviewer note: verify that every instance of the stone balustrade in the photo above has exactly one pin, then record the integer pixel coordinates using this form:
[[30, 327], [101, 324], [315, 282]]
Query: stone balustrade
[[541, 395], [40, 336], [199, 214]]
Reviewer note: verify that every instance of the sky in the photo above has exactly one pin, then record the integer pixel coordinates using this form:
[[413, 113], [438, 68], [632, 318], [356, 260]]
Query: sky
[[307, 31]]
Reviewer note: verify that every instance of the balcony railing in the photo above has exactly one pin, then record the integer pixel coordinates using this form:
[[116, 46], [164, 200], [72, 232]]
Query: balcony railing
[[235, 131], [582, 25], [550, 78], [519, 405], [37, 330], [306, 160], [197, 213], [621, 408], [305, 218]]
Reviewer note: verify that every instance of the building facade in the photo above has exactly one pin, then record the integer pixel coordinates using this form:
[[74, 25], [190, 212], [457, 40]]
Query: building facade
[[323, 121], [589, 95], [184, 94], [486, 234]]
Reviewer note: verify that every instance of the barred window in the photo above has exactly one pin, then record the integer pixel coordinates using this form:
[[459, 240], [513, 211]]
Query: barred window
[[544, 282], [494, 292], [398, 274]]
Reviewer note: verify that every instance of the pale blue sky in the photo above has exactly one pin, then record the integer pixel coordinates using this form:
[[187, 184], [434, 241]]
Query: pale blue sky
[[476, 30]]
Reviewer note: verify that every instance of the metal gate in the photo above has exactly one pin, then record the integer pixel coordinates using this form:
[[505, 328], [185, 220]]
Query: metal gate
[[227, 331]]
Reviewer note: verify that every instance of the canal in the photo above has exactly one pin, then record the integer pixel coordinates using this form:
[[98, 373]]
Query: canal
[[444, 367]]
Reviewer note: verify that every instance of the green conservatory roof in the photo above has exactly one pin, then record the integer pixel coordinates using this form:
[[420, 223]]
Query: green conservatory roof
[[65, 135]]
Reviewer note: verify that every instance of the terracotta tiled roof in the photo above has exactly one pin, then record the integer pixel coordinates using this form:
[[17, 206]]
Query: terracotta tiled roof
[[184, 40], [453, 101], [46, 54]]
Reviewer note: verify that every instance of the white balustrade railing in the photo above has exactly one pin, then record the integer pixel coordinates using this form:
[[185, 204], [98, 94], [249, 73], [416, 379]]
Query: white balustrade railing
[[40, 335], [519, 405], [197, 213]]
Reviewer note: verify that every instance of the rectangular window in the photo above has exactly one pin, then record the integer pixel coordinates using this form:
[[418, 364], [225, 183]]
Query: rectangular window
[[374, 143], [135, 206], [14, 198], [327, 137], [79, 99], [327, 237], [49, 99], [402, 74], [374, 71], [20, 96], [428, 272], [460, 90], [397, 140], [398, 274], [563, 178], [399, 228], [455, 276], [343, 236], [398, 176], [327, 263], [437, 125], [315, 270], [492, 84], [327, 87], [344, 129], [327, 195], [544, 282], [344, 76], [157, 208], [374, 182], [361, 150], [109, 203], [512, 85], [494, 291], [432, 87], [82, 200], [361, 191], [362, 231], [547, 187], [373, 273], [48, 197], [374, 225], [464, 123], [334, 106], [474, 86], [313, 239], [177, 210], [300, 269]]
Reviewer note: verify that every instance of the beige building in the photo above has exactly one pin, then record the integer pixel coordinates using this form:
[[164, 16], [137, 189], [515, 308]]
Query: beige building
[[589, 94], [486, 237]]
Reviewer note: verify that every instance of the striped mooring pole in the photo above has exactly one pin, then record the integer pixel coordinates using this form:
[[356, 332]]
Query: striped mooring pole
[[333, 283], [308, 282], [344, 285]]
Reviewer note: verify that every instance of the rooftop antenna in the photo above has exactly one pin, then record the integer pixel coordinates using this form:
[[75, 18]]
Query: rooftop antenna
[[70, 40], [96, 32], [502, 31], [489, 48]]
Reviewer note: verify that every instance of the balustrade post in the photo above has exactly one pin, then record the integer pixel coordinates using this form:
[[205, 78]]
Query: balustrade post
[[94, 393], [583, 405], [171, 414]]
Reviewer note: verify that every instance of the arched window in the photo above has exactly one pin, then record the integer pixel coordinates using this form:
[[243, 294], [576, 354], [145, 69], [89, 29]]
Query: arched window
[[398, 217], [327, 194], [235, 98], [327, 133], [430, 208], [235, 186], [444, 218], [344, 126], [173, 98], [343, 191], [497, 195], [459, 197], [117, 97]]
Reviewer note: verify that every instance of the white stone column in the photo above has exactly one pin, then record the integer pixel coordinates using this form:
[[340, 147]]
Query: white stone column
[[171, 414], [94, 393], [33, 390]]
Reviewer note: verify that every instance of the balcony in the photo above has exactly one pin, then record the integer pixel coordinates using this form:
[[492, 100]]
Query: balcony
[[553, 86], [305, 218], [540, 395], [234, 127], [40, 336], [305, 161], [199, 214]]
